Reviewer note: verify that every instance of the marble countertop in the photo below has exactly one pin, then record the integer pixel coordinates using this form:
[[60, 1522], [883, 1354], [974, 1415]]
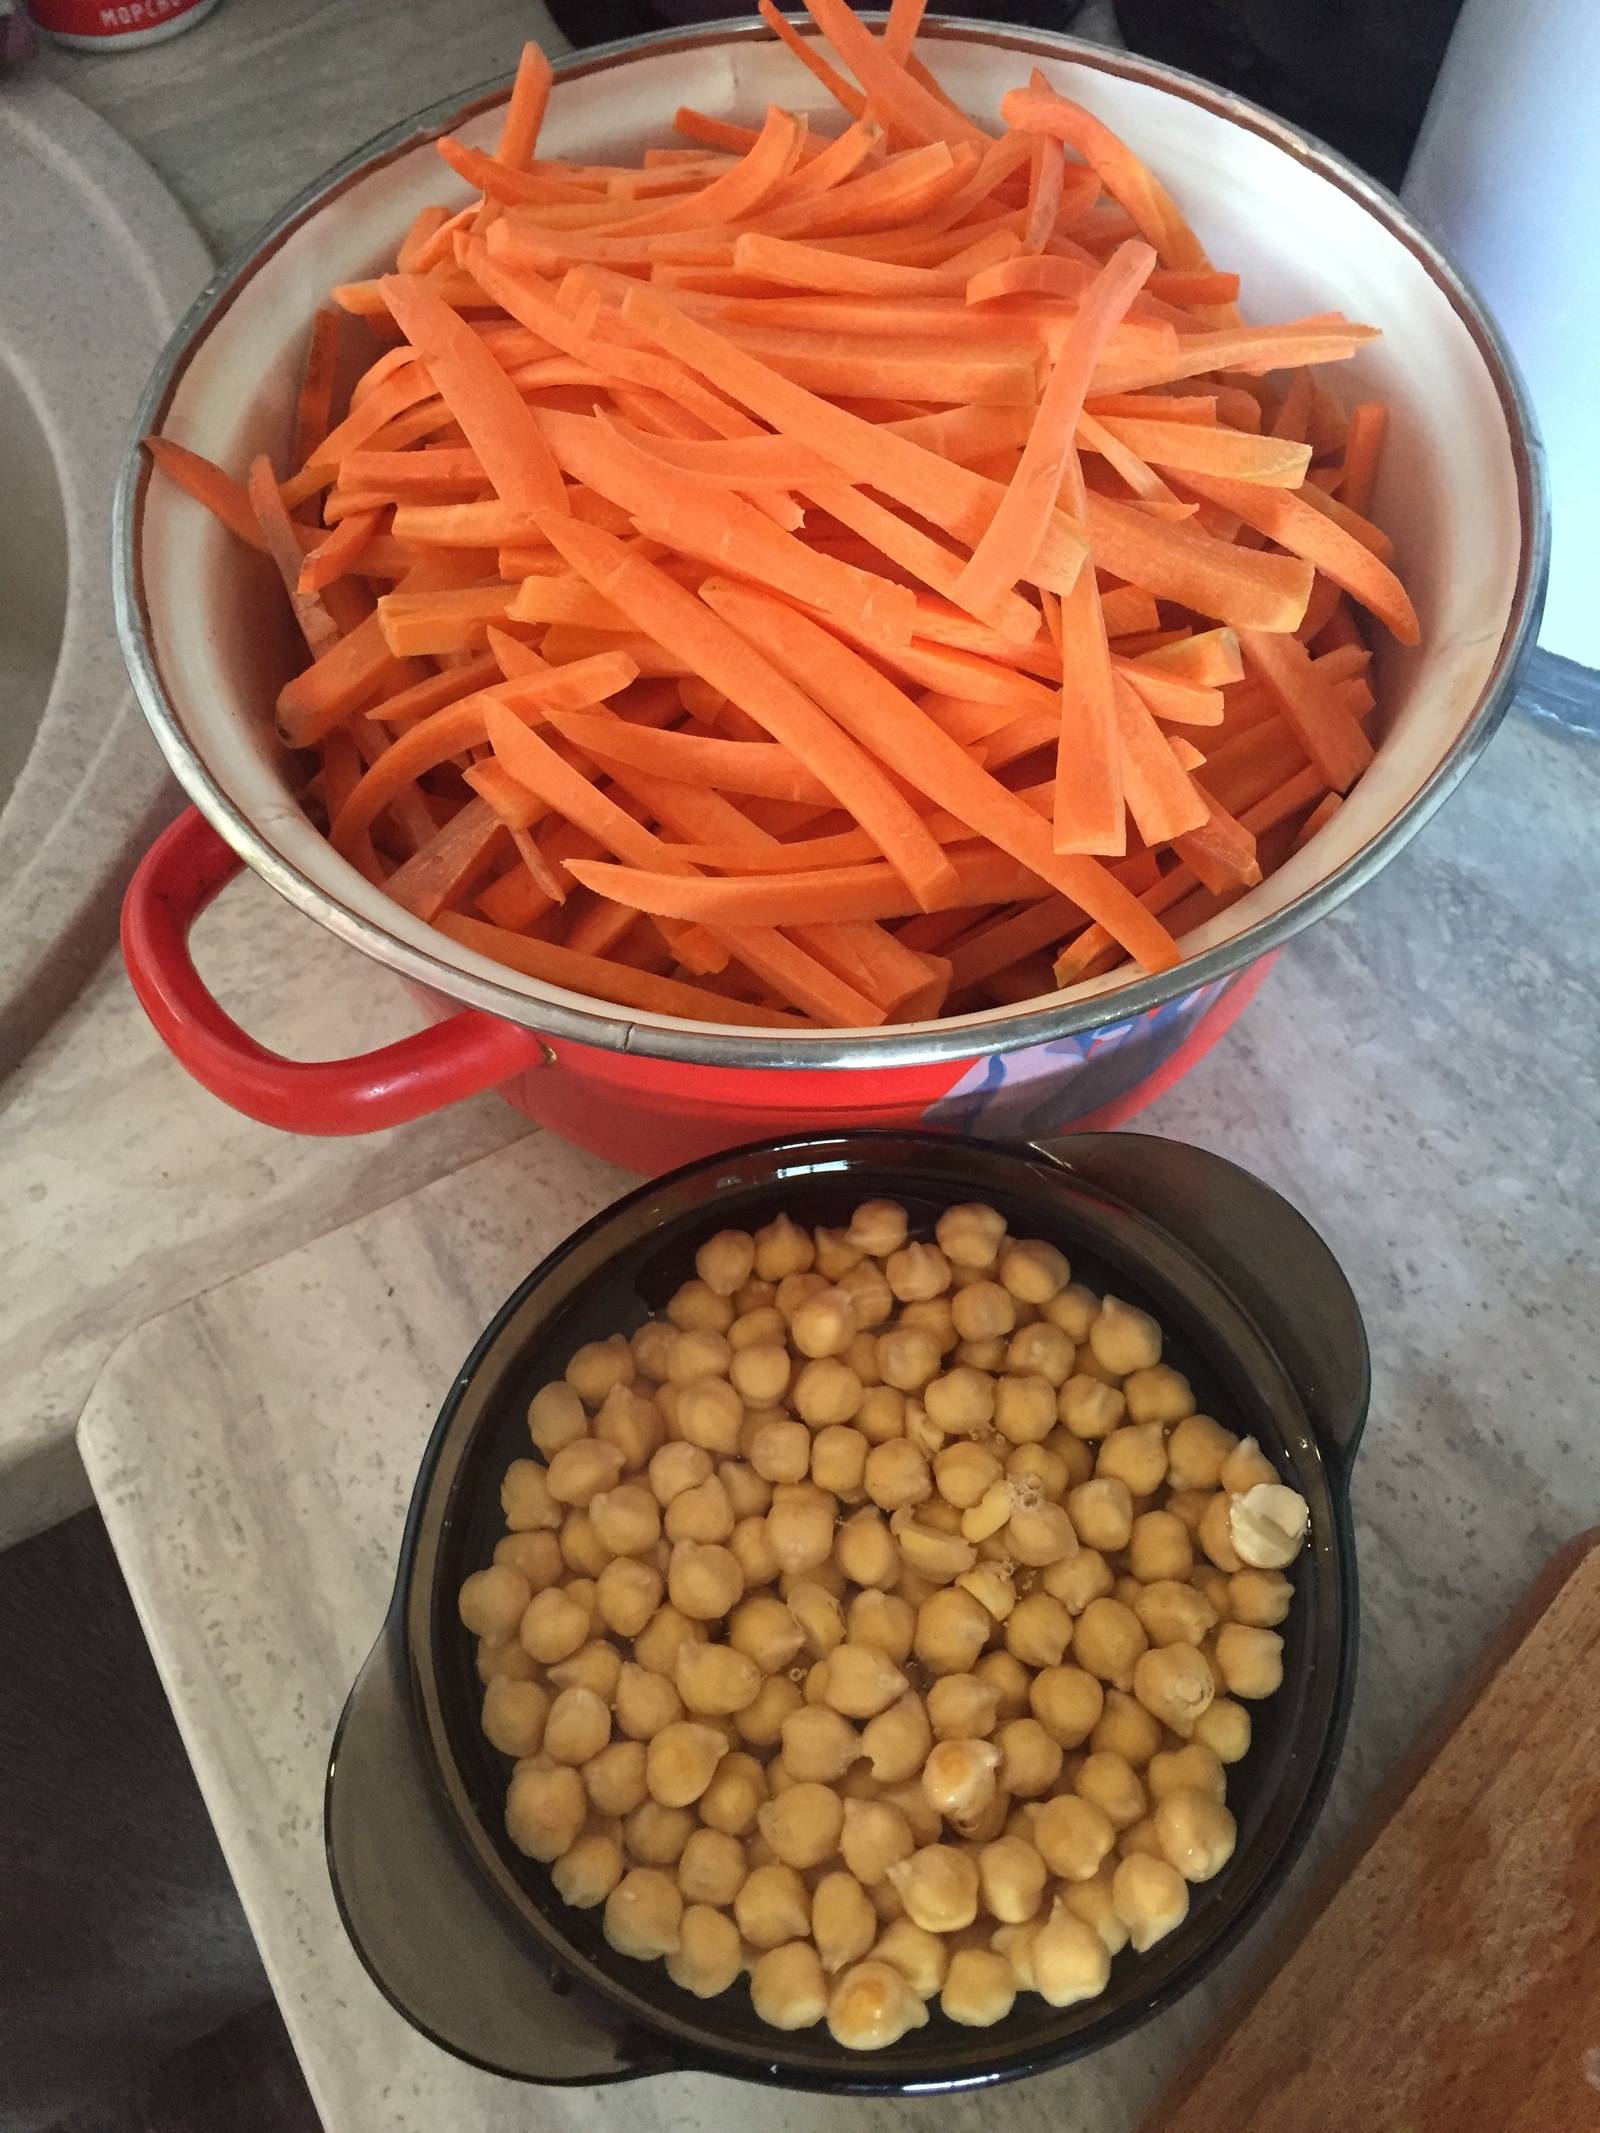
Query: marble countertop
[[1419, 1076]]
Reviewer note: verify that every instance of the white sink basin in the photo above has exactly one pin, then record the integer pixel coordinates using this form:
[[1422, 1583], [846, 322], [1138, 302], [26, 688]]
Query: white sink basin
[[97, 264]]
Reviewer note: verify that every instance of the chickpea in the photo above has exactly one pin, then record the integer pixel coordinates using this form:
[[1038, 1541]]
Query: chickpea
[[681, 1760], [917, 1273], [1196, 1833], [556, 1417], [961, 1403], [1151, 1899], [648, 1345], [714, 1680], [827, 1392], [760, 1373], [1067, 1702], [952, 1629], [839, 1460], [926, 1825], [825, 1324], [1247, 1467], [878, 1227], [933, 1315], [701, 1514], [991, 1585], [586, 1874], [644, 1913], [1127, 1729], [578, 1727], [1250, 1660], [1031, 1759], [710, 1414], [1109, 1642], [525, 1497], [983, 1311], [655, 1835], [843, 1923], [598, 1366], [1072, 1835], [1213, 1586], [646, 1701], [582, 1550], [872, 2006], [1193, 1766], [987, 1356], [761, 1722], [1136, 1455], [615, 1778], [1070, 1962], [782, 1248], [695, 1307], [1124, 1338], [1215, 1534], [874, 1837], [1174, 1683], [1088, 1408], [755, 1295], [1269, 1524], [1224, 1728], [803, 1823], [939, 1887], [819, 1744], [869, 1292], [545, 1809], [633, 1423], [961, 1707], [1041, 1350], [897, 1475], [733, 1799], [750, 1549], [1160, 1547], [709, 1955], [836, 1254], [1197, 1451], [626, 1520], [787, 1986], [677, 1467], [712, 1868], [493, 1602], [1102, 1513], [1077, 1460], [1078, 1579], [980, 1988], [907, 1357], [1033, 1271], [553, 1626], [897, 1741], [534, 1556], [725, 1262], [1038, 1630], [826, 1576], [818, 1616], [780, 1451], [1012, 1874], [1024, 1409], [701, 1354], [865, 1550], [514, 1714], [1109, 1781], [963, 1472], [970, 1235], [862, 1681], [764, 1327], [763, 1628], [958, 1779], [504, 1662], [1259, 1598], [749, 1493], [704, 1580], [882, 1413], [881, 1620]]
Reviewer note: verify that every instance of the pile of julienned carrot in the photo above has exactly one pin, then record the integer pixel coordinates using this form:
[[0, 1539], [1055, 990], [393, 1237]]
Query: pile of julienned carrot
[[835, 579]]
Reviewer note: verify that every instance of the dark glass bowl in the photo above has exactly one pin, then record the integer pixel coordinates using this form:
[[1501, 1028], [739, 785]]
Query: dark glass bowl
[[467, 1938]]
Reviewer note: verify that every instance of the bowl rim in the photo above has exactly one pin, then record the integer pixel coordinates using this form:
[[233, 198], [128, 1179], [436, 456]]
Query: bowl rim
[[555, 1012], [413, 1617]]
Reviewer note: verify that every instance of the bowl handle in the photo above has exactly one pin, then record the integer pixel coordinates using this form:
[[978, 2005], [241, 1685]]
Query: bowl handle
[[429, 1933], [1261, 1248], [180, 874]]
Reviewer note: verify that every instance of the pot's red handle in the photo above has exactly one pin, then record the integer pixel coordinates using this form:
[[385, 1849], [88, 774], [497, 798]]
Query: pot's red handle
[[182, 871]]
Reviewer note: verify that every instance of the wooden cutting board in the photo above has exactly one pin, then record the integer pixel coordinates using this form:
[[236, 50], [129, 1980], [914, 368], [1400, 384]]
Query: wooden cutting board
[[1444, 1976]]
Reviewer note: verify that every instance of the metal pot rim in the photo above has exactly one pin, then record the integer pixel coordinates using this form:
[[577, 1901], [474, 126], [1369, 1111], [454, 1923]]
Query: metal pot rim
[[558, 1013]]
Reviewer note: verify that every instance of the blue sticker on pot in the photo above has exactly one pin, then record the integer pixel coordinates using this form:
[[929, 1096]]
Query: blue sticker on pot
[[1044, 1087]]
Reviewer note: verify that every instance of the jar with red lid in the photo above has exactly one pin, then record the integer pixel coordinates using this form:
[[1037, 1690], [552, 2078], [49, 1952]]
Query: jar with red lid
[[114, 25]]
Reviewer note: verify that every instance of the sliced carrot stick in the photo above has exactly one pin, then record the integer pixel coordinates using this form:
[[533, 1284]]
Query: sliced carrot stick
[[1222, 851], [1038, 109], [1161, 798], [332, 557], [1319, 818], [1213, 451], [435, 474], [735, 667], [317, 625], [567, 598], [818, 897], [730, 766], [1159, 407], [1011, 541], [516, 807], [1361, 529], [1088, 806], [313, 415], [1047, 171], [500, 429], [896, 98], [1209, 661], [601, 979], [453, 858], [416, 623], [1249, 350], [900, 31], [1294, 411], [1243, 588], [422, 698], [805, 50], [1166, 696], [837, 160], [1127, 609], [862, 701], [225, 498], [1295, 525], [738, 192], [1363, 445], [1326, 731], [530, 95]]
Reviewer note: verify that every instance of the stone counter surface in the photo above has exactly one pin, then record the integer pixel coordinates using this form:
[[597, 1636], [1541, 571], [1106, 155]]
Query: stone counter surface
[[1419, 1076]]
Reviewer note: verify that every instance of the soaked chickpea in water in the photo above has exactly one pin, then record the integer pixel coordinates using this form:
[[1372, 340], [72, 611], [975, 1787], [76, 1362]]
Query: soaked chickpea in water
[[885, 1583]]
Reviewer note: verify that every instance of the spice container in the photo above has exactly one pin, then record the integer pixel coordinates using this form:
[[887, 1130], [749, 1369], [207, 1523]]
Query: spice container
[[115, 25]]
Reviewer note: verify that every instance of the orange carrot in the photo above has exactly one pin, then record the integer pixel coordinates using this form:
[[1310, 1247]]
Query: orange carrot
[[1295, 525], [530, 95], [317, 625], [679, 621], [453, 858], [1127, 609], [1368, 422], [1166, 696], [1222, 851], [805, 50], [313, 417], [1161, 797], [1243, 588], [730, 766], [500, 429], [1327, 732], [1209, 661], [739, 191], [898, 100], [601, 979], [1010, 542], [900, 31], [1213, 451], [455, 620], [1038, 109], [225, 498], [332, 557]]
